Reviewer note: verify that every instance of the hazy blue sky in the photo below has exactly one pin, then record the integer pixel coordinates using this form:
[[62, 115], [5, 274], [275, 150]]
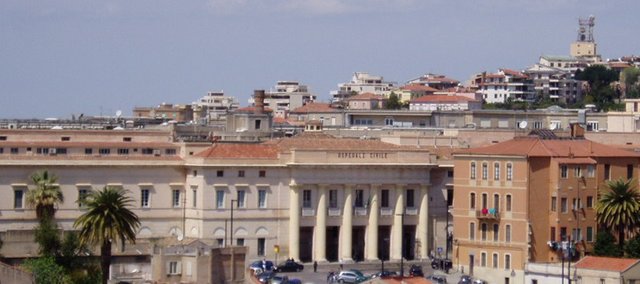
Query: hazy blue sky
[[59, 57]]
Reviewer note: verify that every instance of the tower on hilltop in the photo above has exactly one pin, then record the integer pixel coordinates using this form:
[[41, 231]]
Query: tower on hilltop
[[585, 45]]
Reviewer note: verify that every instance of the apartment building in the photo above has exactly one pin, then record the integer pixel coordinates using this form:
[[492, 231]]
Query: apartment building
[[286, 96], [436, 81], [513, 199], [215, 106], [555, 84], [444, 102], [503, 85], [363, 82]]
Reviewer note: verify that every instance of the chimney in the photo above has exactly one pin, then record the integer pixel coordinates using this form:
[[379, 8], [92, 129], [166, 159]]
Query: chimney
[[258, 98], [577, 131]]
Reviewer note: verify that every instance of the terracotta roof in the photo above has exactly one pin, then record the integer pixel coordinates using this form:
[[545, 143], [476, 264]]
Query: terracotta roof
[[513, 73], [240, 151], [441, 99], [619, 64], [575, 161], [533, 146], [314, 107], [70, 144], [365, 97], [606, 263], [280, 120], [419, 87]]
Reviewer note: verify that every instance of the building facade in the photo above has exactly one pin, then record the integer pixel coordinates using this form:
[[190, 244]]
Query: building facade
[[504, 85], [363, 82]]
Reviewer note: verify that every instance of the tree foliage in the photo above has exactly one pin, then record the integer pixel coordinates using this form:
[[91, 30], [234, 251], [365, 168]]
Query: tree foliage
[[632, 249], [605, 245], [46, 270], [47, 235], [46, 195], [108, 219], [630, 77], [600, 92], [393, 102], [618, 209]]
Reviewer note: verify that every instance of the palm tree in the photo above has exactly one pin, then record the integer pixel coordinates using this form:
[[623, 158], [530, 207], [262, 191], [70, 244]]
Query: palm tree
[[46, 195], [108, 219], [619, 208]]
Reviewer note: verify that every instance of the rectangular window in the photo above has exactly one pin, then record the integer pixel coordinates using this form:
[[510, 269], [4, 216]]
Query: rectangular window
[[359, 198], [554, 201], [175, 200], [262, 198], [485, 171], [261, 246], [509, 171], [472, 201], [496, 202], [496, 232], [629, 171], [219, 198], [219, 173], [563, 234], [126, 139], [507, 261], [410, 198], [262, 173], [194, 199], [484, 201], [82, 196], [220, 242], [507, 233], [104, 151], [333, 198], [169, 152], [384, 202], [472, 231], [147, 151], [449, 174], [472, 171], [1, 150], [483, 231], [589, 234], [496, 171], [306, 198], [88, 151], [173, 268], [144, 198], [18, 199], [607, 172], [240, 242], [552, 234], [495, 260], [577, 171], [241, 197], [563, 205], [241, 173], [589, 201], [564, 170], [123, 151], [576, 234], [483, 259], [591, 171], [14, 151]]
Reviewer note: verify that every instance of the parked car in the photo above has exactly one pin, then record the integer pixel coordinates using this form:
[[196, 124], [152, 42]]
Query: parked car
[[350, 276], [279, 280], [479, 281], [416, 270], [260, 266], [384, 274], [289, 266], [465, 279], [265, 277], [440, 279], [295, 281]]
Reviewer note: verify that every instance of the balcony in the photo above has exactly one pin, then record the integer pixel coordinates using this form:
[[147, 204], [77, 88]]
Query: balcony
[[334, 212], [360, 211], [308, 212], [386, 211], [490, 214], [411, 211]]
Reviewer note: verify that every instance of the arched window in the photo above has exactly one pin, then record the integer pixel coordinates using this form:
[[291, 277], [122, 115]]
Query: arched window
[[472, 231], [496, 232], [508, 201], [484, 231], [483, 259], [509, 171], [496, 202], [485, 171], [472, 200], [496, 171], [485, 204], [472, 170], [507, 233]]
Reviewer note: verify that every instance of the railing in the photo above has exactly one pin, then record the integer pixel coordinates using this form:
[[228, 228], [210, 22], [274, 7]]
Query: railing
[[306, 212], [386, 211], [360, 211], [488, 214], [411, 211], [334, 212]]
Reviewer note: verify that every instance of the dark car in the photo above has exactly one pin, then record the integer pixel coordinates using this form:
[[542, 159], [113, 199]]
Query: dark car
[[385, 273], [465, 279], [279, 280], [440, 279], [265, 277], [416, 270], [289, 266], [260, 266]]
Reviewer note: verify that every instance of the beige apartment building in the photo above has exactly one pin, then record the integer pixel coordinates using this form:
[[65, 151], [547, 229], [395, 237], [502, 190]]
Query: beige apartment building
[[515, 198]]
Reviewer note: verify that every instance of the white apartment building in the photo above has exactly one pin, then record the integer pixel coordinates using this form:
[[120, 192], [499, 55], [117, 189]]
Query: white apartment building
[[555, 83], [215, 105], [504, 84], [440, 82], [363, 82], [286, 96]]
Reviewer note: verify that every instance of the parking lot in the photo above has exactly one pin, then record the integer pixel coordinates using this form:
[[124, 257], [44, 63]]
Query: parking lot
[[368, 268]]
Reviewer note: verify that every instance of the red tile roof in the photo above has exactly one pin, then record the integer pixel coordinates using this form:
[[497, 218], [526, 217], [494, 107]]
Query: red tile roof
[[240, 151], [441, 99], [532, 146], [365, 97], [315, 107], [419, 87], [513, 73], [606, 263]]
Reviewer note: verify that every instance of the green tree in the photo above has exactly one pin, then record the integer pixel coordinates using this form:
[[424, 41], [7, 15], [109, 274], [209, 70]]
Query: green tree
[[632, 249], [47, 235], [605, 245], [46, 195], [600, 78], [108, 219], [393, 102], [630, 77], [46, 270], [618, 208]]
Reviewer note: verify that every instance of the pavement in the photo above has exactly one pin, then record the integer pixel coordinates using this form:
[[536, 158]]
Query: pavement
[[368, 268]]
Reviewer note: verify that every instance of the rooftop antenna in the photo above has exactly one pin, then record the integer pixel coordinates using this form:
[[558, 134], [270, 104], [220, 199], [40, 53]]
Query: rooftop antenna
[[585, 30]]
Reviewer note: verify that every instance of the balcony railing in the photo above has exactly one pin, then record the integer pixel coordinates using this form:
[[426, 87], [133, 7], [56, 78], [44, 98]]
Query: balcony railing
[[486, 213], [334, 212], [360, 211], [386, 211], [411, 211], [307, 212]]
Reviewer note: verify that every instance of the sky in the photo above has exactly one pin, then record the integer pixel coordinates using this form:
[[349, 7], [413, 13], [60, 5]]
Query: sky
[[64, 57]]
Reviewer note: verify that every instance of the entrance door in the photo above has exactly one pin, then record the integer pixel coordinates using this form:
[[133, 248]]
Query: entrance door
[[333, 242], [409, 242], [471, 262], [306, 244], [384, 236], [357, 235]]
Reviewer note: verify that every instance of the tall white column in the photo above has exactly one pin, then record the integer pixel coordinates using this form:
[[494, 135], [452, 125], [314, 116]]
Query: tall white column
[[294, 221], [396, 234], [372, 226], [346, 229], [423, 222], [320, 245]]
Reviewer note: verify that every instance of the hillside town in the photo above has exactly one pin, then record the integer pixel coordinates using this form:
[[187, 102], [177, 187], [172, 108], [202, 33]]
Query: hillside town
[[508, 176]]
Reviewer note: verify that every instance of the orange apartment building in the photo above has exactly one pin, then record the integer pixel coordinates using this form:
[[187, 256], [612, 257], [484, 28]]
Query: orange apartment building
[[513, 199]]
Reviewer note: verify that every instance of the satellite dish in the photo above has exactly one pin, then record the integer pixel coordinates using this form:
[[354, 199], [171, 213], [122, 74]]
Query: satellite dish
[[522, 125]]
